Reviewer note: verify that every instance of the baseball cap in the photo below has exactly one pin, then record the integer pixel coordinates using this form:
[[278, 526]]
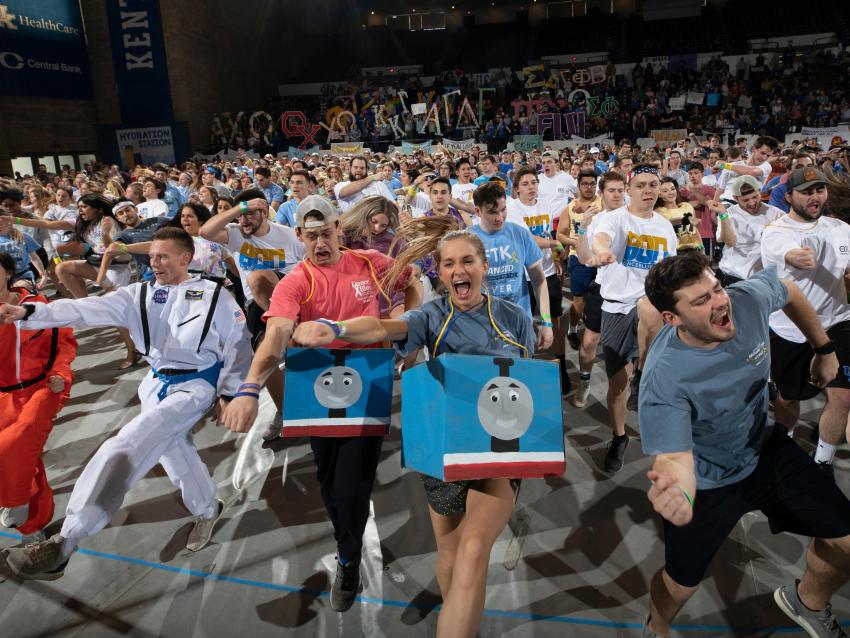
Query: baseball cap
[[594, 150], [315, 204], [743, 181], [552, 154], [803, 178]]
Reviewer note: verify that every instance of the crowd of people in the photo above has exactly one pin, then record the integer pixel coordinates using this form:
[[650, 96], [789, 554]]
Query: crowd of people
[[774, 94], [714, 280]]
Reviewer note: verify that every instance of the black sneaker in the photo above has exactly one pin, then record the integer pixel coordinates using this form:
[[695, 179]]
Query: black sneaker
[[632, 401], [825, 467], [616, 453], [346, 585], [574, 340]]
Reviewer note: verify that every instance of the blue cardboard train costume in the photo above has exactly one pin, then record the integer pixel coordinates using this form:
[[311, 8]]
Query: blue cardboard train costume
[[475, 417], [338, 392]]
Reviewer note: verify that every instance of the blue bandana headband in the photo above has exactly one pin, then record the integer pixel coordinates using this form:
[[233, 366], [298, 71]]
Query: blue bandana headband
[[643, 169]]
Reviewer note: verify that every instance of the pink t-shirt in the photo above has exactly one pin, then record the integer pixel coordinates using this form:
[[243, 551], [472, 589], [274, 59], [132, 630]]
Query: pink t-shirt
[[343, 291], [706, 225]]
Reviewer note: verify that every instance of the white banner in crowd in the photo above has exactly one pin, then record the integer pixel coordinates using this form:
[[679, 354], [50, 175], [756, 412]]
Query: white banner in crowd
[[419, 108], [347, 148], [827, 136], [677, 103], [150, 145], [454, 145], [695, 98]]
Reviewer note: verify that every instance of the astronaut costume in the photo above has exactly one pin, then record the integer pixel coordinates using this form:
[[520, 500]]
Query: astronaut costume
[[194, 337]]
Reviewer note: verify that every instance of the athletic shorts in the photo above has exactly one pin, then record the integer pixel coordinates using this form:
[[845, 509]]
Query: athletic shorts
[[786, 485], [556, 296], [619, 340], [593, 308], [119, 275], [790, 361], [581, 276]]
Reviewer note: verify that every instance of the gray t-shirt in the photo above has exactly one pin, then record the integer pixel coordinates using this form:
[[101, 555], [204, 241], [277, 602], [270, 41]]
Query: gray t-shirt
[[468, 332], [714, 402]]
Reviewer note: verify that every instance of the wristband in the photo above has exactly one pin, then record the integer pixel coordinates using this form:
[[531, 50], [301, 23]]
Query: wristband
[[546, 324], [122, 247], [17, 220], [243, 207], [334, 325], [247, 394], [57, 259], [723, 216], [411, 190], [559, 247], [581, 232], [256, 386], [546, 316], [827, 348], [688, 496]]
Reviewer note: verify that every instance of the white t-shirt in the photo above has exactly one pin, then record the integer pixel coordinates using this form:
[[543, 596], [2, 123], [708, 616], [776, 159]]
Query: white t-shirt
[[823, 286], [744, 259], [538, 219], [278, 250], [208, 258], [638, 244], [559, 189], [419, 205], [152, 208], [56, 213], [724, 181], [375, 188], [463, 192]]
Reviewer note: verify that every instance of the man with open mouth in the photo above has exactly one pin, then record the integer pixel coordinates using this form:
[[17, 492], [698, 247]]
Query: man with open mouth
[[813, 251], [718, 453]]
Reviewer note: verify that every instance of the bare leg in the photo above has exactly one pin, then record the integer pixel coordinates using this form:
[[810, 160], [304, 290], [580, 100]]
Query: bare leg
[[649, 324], [786, 411], [262, 284], [73, 275], [447, 532], [827, 569], [587, 351], [666, 598], [618, 387], [488, 510], [833, 419]]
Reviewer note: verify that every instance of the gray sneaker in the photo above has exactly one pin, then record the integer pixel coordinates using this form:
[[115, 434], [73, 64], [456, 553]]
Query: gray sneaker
[[6, 519], [346, 586], [36, 537], [818, 624], [36, 561], [648, 633], [201, 533]]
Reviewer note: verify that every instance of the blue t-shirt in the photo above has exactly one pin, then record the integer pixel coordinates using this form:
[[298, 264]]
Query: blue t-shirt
[[510, 251], [20, 252], [273, 193], [286, 213], [469, 332], [777, 197], [714, 401]]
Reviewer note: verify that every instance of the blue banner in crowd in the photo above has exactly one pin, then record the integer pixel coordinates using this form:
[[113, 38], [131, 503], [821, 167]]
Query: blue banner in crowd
[[43, 50], [409, 147], [298, 153], [141, 71]]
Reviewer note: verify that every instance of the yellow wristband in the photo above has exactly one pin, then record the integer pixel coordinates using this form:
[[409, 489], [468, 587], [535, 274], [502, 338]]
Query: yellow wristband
[[411, 190], [122, 248]]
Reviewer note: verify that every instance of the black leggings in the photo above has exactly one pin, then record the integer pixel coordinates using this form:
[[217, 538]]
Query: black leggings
[[345, 469]]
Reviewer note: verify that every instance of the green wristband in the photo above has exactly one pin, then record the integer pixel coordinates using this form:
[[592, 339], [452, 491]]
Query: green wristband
[[17, 220], [688, 496], [723, 216]]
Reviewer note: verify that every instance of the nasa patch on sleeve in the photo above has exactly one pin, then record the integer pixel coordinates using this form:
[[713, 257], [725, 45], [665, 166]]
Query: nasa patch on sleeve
[[160, 295], [194, 295]]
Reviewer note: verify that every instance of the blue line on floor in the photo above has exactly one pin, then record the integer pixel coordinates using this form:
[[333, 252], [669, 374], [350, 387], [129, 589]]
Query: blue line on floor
[[492, 613]]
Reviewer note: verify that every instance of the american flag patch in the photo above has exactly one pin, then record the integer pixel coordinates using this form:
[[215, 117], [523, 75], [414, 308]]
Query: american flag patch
[[239, 316]]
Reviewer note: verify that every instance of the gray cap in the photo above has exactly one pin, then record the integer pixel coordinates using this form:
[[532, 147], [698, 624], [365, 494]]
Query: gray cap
[[745, 183], [315, 204]]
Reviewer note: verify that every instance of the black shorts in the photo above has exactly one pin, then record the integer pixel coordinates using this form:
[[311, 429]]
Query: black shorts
[[790, 361], [593, 308], [449, 498], [786, 485], [619, 340], [556, 296]]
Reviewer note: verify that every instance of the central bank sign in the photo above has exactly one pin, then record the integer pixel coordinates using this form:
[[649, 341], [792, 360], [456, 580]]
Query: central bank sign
[[141, 69], [43, 49]]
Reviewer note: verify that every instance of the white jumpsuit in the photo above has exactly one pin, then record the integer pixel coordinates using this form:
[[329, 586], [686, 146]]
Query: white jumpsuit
[[176, 320]]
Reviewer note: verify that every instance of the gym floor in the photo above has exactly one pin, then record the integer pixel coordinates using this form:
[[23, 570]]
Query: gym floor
[[576, 560]]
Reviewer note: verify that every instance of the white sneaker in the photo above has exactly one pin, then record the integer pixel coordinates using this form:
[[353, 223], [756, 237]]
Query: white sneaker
[[6, 519], [201, 532], [579, 397], [273, 429], [36, 537]]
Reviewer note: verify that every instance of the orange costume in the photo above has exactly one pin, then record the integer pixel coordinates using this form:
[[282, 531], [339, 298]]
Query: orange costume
[[28, 358]]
